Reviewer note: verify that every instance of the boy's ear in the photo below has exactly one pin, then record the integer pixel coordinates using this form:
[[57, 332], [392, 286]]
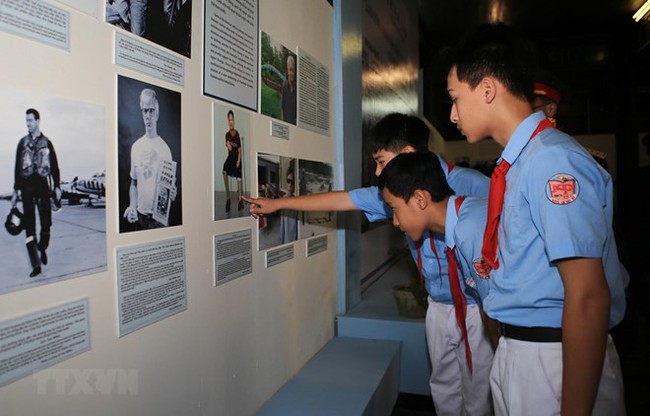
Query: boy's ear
[[550, 109], [408, 149], [489, 89], [421, 198]]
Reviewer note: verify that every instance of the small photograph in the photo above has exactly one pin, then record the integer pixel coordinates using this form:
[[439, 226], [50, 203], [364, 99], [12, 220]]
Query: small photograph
[[167, 23], [230, 162], [315, 177], [276, 178], [149, 154], [52, 191], [279, 69]]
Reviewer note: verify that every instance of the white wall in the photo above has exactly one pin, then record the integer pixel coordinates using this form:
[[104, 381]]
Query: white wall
[[237, 343]]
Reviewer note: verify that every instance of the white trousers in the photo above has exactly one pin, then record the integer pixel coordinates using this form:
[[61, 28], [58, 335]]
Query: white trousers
[[526, 379], [454, 390]]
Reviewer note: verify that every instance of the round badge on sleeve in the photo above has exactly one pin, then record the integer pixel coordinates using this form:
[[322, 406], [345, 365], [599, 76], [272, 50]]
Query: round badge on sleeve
[[562, 189]]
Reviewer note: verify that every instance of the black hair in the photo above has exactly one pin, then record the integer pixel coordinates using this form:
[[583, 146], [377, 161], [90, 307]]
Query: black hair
[[395, 131], [499, 51], [230, 113], [33, 112], [408, 172]]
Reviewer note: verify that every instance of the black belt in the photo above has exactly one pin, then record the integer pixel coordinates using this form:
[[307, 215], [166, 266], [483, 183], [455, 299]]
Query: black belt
[[531, 334]]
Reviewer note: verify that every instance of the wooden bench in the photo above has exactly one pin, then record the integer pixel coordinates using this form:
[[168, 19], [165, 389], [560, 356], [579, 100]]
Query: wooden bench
[[347, 377]]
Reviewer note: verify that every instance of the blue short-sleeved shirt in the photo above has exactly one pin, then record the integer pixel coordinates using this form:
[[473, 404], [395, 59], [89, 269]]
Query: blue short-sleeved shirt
[[463, 181], [464, 231], [558, 204]]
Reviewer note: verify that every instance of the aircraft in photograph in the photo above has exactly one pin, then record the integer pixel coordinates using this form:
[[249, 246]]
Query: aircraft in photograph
[[90, 188]]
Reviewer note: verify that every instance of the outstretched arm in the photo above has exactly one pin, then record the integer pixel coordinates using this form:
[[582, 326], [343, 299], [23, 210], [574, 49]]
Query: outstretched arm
[[326, 201]]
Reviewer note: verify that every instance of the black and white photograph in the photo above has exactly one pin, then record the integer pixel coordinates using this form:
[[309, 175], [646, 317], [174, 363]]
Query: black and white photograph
[[276, 178], [149, 155], [167, 23], [315, 177], [52, 190], [231, 140]]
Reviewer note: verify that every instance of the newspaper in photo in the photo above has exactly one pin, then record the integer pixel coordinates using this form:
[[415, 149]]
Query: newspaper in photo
[[164, 185]]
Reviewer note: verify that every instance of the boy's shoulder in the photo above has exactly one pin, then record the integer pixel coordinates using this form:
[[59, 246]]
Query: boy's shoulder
[[370, 200], [473, 208], [468, 181], [552, 146]]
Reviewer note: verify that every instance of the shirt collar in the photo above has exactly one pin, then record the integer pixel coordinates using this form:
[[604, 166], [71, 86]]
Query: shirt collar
[[521, 136], [450, 222]]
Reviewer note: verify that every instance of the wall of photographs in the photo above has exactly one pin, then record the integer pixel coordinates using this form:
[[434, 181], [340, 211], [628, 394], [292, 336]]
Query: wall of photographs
[[134, 279]]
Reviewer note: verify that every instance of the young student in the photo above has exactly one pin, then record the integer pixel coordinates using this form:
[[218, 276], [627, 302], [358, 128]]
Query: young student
[[556, 283], [416, 189], [453, 389]]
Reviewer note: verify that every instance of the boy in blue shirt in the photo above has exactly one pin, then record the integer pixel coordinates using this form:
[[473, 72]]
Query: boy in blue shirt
[[415, 187], [557, 285], [454, 388]]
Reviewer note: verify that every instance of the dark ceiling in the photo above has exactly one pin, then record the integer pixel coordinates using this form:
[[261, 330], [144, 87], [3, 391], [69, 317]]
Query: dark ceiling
[[595, 48]]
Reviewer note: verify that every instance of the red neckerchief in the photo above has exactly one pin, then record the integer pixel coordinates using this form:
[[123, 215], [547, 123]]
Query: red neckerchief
[[460, 303], [495, 205], [450, 167]]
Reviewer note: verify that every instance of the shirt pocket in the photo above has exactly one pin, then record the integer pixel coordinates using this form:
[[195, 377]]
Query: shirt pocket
[[513, 225]]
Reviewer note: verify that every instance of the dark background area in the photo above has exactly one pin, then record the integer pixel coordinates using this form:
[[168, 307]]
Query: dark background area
[[601, 55]]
